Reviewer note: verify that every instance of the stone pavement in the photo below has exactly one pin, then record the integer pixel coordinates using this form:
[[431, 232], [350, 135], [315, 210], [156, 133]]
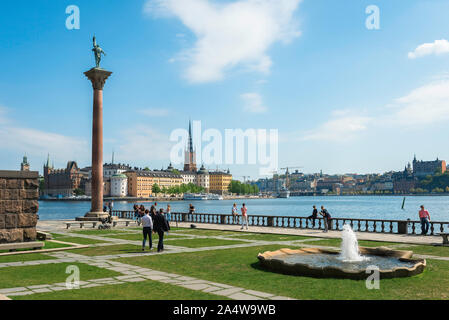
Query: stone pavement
[[131, 273]]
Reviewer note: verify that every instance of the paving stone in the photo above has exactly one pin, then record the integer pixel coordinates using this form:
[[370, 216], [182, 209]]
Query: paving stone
[[228, 292], [101, 280], [186, 278], [9, 290], [198, 286], [20, 293], [91, 285], [39, 286], [242, 296], [134, 280], [258, 293], [41, 290], [281, 298], [59, 288], [222, 285], [156, 277], [125, 277]]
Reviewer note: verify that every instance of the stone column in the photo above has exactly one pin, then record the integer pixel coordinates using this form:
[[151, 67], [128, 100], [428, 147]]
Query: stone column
[[98, 78]]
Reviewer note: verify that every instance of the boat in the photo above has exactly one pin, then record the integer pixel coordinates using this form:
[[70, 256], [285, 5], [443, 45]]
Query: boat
[[211, 196], [195, 196], [284, 193]]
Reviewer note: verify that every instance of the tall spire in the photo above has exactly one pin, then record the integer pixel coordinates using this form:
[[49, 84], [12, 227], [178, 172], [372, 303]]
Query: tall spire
[[48, 160], [190, 146], [112, 156]]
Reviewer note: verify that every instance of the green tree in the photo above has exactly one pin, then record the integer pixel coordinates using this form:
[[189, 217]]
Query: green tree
[[156, 189]]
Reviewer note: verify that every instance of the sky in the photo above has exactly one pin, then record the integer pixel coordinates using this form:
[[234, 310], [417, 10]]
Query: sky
[[344, 98]]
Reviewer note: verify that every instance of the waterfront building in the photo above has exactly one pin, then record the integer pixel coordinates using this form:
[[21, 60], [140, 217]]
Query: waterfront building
[[140, 183], [119, 185], [425, 168], [25, 166], [404, 181], [219, 182], [61, 182]]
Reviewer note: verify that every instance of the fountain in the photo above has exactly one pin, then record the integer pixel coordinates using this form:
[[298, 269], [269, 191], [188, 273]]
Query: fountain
[[350, 262]]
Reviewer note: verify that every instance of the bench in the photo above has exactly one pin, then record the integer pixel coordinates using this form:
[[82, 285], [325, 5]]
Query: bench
[[35, 245], [445, 239], [81, 224]]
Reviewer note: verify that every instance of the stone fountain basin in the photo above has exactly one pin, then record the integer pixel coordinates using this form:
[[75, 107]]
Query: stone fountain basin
[[275, 261]]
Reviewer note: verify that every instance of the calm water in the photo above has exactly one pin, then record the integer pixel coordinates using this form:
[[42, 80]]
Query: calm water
[[368, 207]]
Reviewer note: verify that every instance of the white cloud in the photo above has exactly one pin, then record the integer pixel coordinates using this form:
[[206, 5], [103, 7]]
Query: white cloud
[[144, 143], [340, 129], [253, 103], [155, 112], [425, 105], [437, 47], [230, 35]]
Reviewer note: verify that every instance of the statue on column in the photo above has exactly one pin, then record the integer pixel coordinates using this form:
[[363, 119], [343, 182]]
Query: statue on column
[[97, 53]]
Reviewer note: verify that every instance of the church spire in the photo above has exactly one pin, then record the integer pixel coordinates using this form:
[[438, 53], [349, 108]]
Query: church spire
[[190, 146]]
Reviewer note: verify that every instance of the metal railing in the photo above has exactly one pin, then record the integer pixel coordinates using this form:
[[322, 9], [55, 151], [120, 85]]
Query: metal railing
[[359, 225]]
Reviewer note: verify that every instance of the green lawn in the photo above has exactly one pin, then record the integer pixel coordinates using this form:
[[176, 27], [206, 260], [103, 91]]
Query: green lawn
[[240, 267], [24, 257], [428, 250], [77, 240], [23, 276], [198, 243], [47, 245], [97, 232], [108, 250], [203, 232], [139, 236], [145, 290]]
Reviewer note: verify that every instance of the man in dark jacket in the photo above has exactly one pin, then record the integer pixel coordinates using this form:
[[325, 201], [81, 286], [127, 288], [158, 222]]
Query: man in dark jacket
[[160, 225], [327, 218], [313, 216]]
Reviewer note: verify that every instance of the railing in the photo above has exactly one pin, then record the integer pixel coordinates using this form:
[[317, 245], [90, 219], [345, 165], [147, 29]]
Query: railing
[[359, 225]]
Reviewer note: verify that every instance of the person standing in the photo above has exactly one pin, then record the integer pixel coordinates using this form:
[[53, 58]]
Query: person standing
[[168, 213], [111, 207], [160, 226], [327, 218], [234, 213], [313, 216], [244, 216], [191, 211], [424, 216], [147, 228], [153, 212]]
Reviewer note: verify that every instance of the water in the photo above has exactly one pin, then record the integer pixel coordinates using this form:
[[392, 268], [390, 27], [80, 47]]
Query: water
[[350, 246], [365, 207], [321, 260]]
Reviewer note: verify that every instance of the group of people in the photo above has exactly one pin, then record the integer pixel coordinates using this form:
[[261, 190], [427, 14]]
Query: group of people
[[244, 211], [326, 216], [153, 220]]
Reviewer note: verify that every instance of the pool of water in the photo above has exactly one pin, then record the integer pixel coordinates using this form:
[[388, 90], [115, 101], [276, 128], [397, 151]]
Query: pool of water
[[321, 260]]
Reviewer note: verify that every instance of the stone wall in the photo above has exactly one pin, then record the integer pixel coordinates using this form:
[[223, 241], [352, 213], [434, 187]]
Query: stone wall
[[18, 206]]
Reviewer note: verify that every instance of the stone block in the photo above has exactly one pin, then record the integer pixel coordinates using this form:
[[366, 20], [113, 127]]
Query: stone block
[[29, 234], [30, 206], [11, 194], [31, 184], [2, 183], [11, 235], [26, 220], [13, 206], [2, 221], [10, 221], [2, 206], [29, 194], [14, 184]]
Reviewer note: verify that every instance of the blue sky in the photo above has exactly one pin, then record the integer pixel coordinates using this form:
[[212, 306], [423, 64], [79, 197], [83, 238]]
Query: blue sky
[[344, 98]]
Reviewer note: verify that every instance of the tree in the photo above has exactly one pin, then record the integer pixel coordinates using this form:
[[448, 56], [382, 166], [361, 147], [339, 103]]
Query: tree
[[78, 192], [156, 189], [146, 169]]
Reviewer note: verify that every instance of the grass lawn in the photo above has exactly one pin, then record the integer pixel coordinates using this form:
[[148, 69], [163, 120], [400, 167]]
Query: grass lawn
[[139, 237], [429, 250], [47, 245], [198, 243], [77, 240], [108, 250], [145, 290], [97, 232], [337, 243], [24, 257], [270, 237], [11, 277], [201, 232], [240, 267]]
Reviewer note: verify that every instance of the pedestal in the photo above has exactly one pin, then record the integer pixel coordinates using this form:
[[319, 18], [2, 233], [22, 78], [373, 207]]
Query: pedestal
[[98, 78]]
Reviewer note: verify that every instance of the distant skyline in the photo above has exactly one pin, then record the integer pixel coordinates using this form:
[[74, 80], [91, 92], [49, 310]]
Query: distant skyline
[[344, 98]]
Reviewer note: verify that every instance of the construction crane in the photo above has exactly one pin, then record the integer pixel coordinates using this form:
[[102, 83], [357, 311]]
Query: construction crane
[[287, 179]]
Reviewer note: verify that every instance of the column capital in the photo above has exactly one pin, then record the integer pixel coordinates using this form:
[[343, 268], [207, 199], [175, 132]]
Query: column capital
[[98, 77]]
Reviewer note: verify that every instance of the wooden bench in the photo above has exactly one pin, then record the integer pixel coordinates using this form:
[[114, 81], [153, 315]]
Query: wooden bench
[[81, 224], [445, 239]]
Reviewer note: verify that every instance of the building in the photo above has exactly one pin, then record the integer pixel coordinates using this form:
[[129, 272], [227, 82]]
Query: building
[[25, 166], [219, 182], [404, 181], [425, 168], [119, 185], [190, 154], [140, 182], [61, 182], [109, 170]]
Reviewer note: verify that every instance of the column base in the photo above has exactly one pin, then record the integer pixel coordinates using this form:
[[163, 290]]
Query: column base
[[93, 216]]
